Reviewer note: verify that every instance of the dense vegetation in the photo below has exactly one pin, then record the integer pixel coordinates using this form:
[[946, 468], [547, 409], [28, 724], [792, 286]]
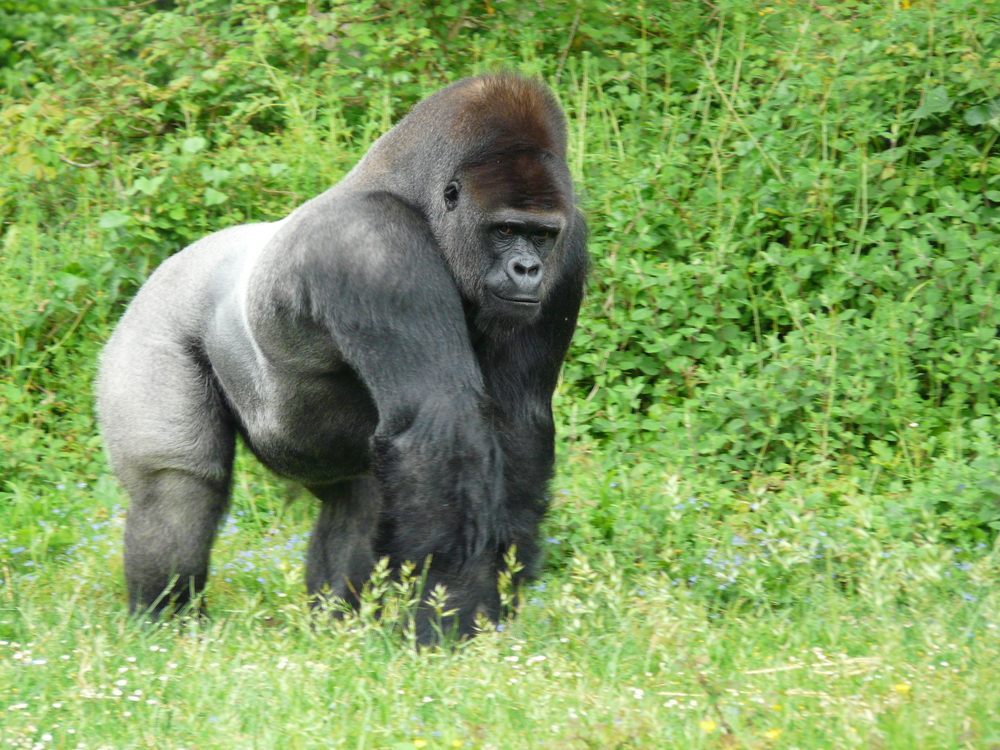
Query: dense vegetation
[[778, 421]]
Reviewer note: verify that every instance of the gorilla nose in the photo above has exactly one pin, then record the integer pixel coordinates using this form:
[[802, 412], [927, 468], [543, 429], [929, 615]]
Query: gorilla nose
[[525, 271]]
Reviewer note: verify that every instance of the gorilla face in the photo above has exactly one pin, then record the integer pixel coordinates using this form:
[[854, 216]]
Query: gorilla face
[[519, 243], [516, 210]]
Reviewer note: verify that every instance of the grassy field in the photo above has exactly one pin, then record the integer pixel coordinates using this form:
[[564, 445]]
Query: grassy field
[[784, 635], [797, 633], [774, 522]]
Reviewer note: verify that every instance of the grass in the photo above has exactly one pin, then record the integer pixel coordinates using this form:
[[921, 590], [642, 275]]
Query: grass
[[606, 652]]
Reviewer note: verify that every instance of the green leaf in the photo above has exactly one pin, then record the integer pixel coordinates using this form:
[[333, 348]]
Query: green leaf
[[983, 113], [194, 144], [935, 102], [148, 186], [113, 219], [213, 197]]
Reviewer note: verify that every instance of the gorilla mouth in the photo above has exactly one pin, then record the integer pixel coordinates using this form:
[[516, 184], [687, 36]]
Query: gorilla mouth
[[518, 300]]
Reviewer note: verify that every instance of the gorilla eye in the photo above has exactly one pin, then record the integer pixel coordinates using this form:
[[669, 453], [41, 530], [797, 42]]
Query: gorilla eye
[[451, 195]]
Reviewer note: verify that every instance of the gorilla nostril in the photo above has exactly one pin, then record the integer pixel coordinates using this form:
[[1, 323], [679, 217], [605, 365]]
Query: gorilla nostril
[[529, 268]]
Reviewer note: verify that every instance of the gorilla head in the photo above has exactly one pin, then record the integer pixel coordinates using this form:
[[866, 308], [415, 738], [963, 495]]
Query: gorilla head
[[393, 344], [485, 161]]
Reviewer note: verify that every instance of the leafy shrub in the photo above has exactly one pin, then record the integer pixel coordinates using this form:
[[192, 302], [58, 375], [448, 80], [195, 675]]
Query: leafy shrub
[[794, 209]]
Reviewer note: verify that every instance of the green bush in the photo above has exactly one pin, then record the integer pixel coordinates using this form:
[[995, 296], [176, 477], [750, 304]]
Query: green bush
[[794, 210]]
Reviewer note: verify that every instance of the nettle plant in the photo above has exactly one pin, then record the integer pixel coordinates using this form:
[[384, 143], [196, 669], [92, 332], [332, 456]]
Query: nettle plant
[[797, 249], [794, 212]]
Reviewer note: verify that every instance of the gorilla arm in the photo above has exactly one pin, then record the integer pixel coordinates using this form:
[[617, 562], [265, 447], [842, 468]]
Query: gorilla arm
[[521, 373], [361, 275]]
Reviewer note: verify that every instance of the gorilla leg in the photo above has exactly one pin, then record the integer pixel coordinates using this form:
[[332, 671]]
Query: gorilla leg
[[171, 439], [169, 531], [341, 556]]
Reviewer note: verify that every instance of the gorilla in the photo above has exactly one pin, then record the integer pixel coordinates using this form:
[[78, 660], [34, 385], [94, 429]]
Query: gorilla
[[392, 345]]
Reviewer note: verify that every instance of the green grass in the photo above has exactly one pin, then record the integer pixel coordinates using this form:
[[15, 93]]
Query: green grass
[[608, 651]]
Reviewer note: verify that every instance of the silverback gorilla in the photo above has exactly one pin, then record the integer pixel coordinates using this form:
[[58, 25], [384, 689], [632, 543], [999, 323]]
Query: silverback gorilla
[[393, 344]]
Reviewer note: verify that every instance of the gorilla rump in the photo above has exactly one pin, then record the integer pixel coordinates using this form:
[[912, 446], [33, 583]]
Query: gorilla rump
[[392, 344]]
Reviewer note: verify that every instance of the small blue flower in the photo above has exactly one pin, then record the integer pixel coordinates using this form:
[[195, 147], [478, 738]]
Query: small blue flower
[[738, 541], [552, 540], [60, 486], [969, 597]]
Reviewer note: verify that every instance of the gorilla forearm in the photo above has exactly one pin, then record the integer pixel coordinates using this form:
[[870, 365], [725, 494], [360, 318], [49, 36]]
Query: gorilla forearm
[[442, 479]]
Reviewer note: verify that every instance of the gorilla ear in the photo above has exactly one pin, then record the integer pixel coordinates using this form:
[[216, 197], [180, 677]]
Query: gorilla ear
[[451, 195]]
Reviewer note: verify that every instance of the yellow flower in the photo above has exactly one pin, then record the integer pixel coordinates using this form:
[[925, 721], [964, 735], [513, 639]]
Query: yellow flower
[[772, 734], [420, 743], [456, 743], [902, 688], [777, 707], [707, 725]]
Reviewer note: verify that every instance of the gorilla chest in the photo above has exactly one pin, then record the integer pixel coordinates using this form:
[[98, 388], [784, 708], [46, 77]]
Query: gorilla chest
[[315, 431]]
